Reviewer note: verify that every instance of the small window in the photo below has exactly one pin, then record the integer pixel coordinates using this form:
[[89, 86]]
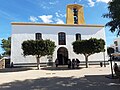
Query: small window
[[78, 36], [38, 36], [62, 38]]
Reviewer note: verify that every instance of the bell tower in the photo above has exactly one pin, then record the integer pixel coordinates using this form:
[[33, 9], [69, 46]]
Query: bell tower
[[75, 14]]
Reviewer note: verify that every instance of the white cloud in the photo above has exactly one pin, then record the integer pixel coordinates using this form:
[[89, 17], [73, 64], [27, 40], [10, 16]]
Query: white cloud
[[51, 3], [59, 21], [46, 18], [63, 15], [33, 19], [54, 2], [91, 3], [57, 14], [60, 15], [105, 1], [1, 39], [44, 6]]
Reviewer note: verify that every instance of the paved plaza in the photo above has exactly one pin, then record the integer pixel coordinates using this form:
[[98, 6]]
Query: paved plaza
[[61, 78]]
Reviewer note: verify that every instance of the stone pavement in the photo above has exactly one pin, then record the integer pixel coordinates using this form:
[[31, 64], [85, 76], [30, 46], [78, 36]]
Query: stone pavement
[[92, 78]]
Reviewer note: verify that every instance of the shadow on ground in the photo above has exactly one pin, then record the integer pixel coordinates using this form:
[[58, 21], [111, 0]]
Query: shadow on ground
[[17, 69], [59, 68], [89, 82]]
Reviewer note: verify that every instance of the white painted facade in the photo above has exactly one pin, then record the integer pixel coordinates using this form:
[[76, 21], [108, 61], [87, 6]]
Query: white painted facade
[[116, 45], [26, 31]]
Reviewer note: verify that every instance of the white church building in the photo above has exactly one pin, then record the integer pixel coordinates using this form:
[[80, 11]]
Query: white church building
[[62, 34]]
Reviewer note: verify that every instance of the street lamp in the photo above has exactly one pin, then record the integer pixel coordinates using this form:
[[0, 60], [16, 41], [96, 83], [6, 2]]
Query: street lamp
[[111, 57], [104, 57]]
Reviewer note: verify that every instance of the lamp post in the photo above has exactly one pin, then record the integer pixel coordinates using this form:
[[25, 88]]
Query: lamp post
[[104, 57], [111, 66]]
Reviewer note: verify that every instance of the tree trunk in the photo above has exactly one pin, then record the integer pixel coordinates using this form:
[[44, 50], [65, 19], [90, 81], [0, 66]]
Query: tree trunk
[[38, 62], [104, 59], [86, 59]]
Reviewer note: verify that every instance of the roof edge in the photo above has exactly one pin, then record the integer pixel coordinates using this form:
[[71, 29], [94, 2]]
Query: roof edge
[[46, 24], [75, 4]]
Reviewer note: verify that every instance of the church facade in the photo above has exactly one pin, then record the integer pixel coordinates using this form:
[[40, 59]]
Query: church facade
[[62, 34]]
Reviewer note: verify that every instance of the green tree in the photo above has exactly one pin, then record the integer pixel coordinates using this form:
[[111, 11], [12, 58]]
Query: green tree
[[110, 50], [88, 47], [114, 16], [38, 48], [6, 45], [0, 56]]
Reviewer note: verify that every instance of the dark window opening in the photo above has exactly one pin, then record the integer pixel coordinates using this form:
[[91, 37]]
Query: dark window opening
[[75, 11], [116, 49], [78, 36], [116, 44], [38, 36], [62, 38]]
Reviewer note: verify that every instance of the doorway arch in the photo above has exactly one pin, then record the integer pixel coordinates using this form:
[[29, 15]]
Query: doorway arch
[[62, 56]]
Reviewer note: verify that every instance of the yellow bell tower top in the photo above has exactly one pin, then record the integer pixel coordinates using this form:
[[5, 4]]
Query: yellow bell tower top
[[75, 14]]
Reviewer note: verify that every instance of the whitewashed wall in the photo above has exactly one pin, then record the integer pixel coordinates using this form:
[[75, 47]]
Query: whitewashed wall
[[118, 42], [21, 33]]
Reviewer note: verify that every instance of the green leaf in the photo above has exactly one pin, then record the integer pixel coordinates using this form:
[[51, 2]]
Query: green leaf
[[38, 47]]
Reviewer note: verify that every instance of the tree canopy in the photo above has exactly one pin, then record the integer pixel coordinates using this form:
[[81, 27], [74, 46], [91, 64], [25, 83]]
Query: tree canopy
[[88, 47], [0, 56], [38, 48], [6, 45], [114, 16]]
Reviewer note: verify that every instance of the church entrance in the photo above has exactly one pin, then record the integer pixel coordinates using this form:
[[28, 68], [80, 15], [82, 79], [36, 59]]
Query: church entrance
[[62, 56]]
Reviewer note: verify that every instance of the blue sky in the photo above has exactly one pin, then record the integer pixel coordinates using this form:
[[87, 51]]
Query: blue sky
[[49, 11]]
